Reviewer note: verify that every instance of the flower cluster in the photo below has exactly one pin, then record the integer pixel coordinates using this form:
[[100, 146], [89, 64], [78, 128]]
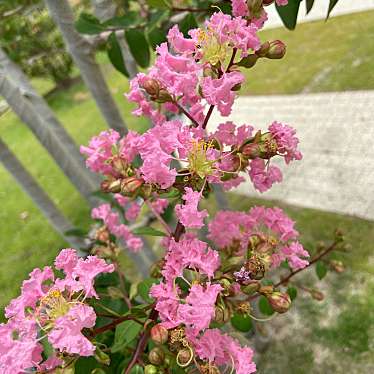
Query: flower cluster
[[53, 309]]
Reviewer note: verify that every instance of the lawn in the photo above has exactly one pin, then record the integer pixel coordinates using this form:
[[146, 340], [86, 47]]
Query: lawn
[[321, 57], [336, 55]]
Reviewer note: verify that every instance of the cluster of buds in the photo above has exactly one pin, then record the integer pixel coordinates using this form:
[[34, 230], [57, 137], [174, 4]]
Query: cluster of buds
[[130, 186], [261, 145], [156, 93]]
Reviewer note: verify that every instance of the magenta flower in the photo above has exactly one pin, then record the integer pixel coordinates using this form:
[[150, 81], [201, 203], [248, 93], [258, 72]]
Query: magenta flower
[[262, 176]]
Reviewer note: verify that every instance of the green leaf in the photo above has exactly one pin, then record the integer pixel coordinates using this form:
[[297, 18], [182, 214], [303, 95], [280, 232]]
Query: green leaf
[[321, 270], [129, 19], [292, 291], [158, 4], [144, 287], [288, 13], [156, 36], [170, 195], [265, 307], [309, 5], [332, 4], [188, 23], [102, 357], [138, 311], [148, 231], [76, 232], [125, 333], [138, 46], [136, 369], [242, 322], [88, 24], [115, 54]]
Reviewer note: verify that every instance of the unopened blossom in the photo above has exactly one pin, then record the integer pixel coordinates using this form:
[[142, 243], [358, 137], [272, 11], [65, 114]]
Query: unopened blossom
[[188, 213], [66, 335]]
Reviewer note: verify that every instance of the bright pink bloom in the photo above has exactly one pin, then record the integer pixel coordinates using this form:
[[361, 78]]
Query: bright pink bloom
[[262, 176], [100, 151], [286, 141], [188, 213], [179, 43], [66, 334], [219, 91]]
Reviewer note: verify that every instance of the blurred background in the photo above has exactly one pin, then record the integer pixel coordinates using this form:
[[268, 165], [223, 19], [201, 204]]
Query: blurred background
[[323, 87]]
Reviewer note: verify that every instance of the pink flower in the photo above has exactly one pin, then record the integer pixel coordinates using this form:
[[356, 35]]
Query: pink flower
[[264, 177], [66, 334], [222, 349], [167, 303], [19, 347], [219, 91], [100, 150], [66, 260], [294, 253], [128, 146], [239, 8], [189, 253], [179, 43], [87, 269], [188, 213], [229, 134], [286, 141], [159, 205], [112, 221], [132, 212], [199, 309]]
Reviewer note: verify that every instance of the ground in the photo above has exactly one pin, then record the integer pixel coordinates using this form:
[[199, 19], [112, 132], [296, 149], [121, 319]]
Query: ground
[[321, 57]]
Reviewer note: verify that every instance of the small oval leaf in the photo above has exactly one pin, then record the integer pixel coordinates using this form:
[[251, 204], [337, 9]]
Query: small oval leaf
[[242, 322], [115, 54], [138, 46]]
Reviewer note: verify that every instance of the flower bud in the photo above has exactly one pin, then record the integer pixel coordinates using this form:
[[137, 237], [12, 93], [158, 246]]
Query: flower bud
[[222, 314], [266, 290], [280, 302], [337, 266], [317, 295], [159, 334], [102, 234], [250, 288], [152, 87], [111, 186], [119, 165], [163, 97], [130, 185], [150, 369], [277, 50], [184, 357], [263, 50], [251, 151], [156, 356]]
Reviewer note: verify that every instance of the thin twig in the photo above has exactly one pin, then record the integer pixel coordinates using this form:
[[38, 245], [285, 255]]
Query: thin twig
[[158, 216], [187, 114]]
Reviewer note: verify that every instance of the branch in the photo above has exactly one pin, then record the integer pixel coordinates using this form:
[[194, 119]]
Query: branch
[[210, 111], [184, 111], [112, 325]]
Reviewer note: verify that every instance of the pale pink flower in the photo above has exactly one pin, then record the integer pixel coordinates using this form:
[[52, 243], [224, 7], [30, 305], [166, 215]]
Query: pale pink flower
[[100, 150], [179, 43], [66, 334], [159, 205], [221, 349], [294, 253], [199, 309], [262, 176], [286, 141], [219, 91], [128, 146], [239, 8], [132, 211], [188, 213]]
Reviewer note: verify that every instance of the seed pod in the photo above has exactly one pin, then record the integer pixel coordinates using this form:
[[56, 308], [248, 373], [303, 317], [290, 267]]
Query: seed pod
[[184, 357], [317, 295], [130, 185], [152, 87]]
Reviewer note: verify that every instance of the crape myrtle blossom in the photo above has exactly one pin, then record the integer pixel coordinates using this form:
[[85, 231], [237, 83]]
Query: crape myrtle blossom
[[268, 230], [54, 309], [222, 350]]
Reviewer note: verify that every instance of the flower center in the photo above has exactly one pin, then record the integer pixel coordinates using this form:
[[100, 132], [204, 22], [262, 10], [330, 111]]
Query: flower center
[[198, 160]]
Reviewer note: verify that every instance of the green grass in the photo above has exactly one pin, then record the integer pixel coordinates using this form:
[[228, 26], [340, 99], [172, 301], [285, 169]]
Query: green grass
[[336, 55]]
